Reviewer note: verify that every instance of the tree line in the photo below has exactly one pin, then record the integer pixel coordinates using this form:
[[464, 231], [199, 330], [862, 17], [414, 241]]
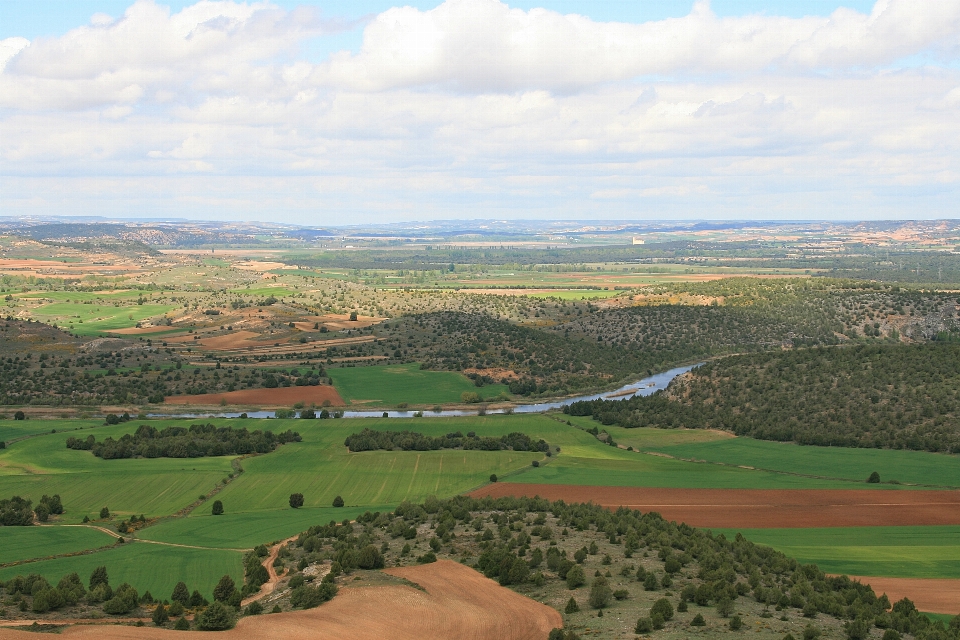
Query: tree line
[[372, 440], [197, 441]]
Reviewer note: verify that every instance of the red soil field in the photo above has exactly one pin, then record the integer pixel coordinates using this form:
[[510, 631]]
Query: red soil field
[[933, 595], [281, 396], [457, 603], [759, 508]]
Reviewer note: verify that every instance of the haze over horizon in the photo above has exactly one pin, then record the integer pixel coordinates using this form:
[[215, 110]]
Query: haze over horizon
[[333, 113]]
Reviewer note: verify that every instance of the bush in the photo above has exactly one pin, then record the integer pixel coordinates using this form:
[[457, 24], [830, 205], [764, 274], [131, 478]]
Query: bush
[[736, 623], [253, 609], [600, 593], [104, 513], [874, 478], [296, 500], [535, 463], [182, 625], [224, 589], [493, 477], [889, 634], [180, 594], [644, 625], [572, 606], [663, 608], [160, 616], [698, 621], [217, 508], [370, 558], [810, 632], [338, 501], [216, 617], [575, 577]]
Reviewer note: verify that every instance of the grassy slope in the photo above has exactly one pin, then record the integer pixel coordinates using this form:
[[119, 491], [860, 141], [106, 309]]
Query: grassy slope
[[148, 567], [906, 552], [394, 384], [97, 318], [21, 543]]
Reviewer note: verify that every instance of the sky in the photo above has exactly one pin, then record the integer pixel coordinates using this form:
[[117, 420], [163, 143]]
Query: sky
[[332, 113]]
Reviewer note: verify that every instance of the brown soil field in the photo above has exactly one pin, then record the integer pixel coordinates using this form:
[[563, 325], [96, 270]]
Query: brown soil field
[[282, 396], [234, 340], [456, 602], [759, 508], [928, 594]]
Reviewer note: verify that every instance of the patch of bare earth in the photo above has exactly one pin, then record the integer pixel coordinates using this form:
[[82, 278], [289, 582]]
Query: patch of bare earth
[[282, 396], [456, 602], [758, 508]]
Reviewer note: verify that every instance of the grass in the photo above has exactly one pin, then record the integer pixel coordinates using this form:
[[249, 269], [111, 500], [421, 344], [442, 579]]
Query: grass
[[43, 465], [10, 428], [903, 552], [321, 468], [395, 384], [246, 530], [24, 543], [96, 319], [78, 296], [148, 567], [918, 467]]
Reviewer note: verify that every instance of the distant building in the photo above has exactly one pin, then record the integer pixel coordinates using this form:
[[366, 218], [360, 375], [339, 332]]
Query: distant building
[[637, 240]]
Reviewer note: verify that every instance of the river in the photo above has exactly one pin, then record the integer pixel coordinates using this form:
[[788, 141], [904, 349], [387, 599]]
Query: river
[[644, 387]]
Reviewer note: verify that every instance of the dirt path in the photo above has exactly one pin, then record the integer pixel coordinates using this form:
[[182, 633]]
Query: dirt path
[[759, 508], [932, 595], [456, 602], [267, 587]]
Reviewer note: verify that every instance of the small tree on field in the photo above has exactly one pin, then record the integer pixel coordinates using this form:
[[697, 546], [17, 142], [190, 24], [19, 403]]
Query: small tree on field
[[104, 513], [874, 478], [575, 577], [98, 577], [217, 508], [600, 593], [338, 501], [19, 415], [181, 594], [493, 477], [296, 500], [160, 616], [224, 589]]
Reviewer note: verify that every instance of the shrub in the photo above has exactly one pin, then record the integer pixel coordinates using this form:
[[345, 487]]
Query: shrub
[[182, 625], [663, 608], [180, 594], [216, 617], [621, 594], [874, 478], [224, 589], [889, 634], [644, 625], [370, 558], [575, 577], [253, 609], [217, 508], [98, 577], [296, 500], [160, 616], [493, 477], [104, 513], [698, 621], [810, 632], [650, 582], [572, 606], [338, 501], [736, 623], [600, 593]]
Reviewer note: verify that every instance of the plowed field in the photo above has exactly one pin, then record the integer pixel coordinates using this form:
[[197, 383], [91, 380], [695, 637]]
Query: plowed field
[[281, 396], [457, 603], [759, 508], [932, 595]]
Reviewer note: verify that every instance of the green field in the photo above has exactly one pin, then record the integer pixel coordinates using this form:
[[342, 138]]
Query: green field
[[395, 384], [95, 319], [43, 465], [916, 467], [22, 543], [904, 552], [107, 297], [148, 567]]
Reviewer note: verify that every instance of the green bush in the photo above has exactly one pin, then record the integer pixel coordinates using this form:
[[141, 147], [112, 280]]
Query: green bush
[[216, 617], [663, 608]]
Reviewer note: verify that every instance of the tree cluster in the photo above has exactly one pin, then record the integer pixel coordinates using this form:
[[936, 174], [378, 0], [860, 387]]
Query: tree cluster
[[19, 512], [372, 440], [197, 441]]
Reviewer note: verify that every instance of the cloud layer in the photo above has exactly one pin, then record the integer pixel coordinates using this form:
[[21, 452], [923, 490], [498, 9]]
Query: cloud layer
[[474, 108]]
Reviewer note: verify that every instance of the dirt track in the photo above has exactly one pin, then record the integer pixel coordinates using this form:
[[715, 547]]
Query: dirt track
[[928, 594], [759, 508], [457, 603], [281, 396]]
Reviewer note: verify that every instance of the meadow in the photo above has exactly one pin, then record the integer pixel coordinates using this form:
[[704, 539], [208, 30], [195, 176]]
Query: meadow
[[23, 543], [903, 552], [396, 384], [96, 319]]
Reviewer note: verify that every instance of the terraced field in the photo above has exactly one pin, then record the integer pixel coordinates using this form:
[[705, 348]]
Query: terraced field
[[395, 384]]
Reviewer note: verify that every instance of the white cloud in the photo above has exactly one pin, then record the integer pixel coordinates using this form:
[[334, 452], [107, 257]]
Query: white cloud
[[474, 108]]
